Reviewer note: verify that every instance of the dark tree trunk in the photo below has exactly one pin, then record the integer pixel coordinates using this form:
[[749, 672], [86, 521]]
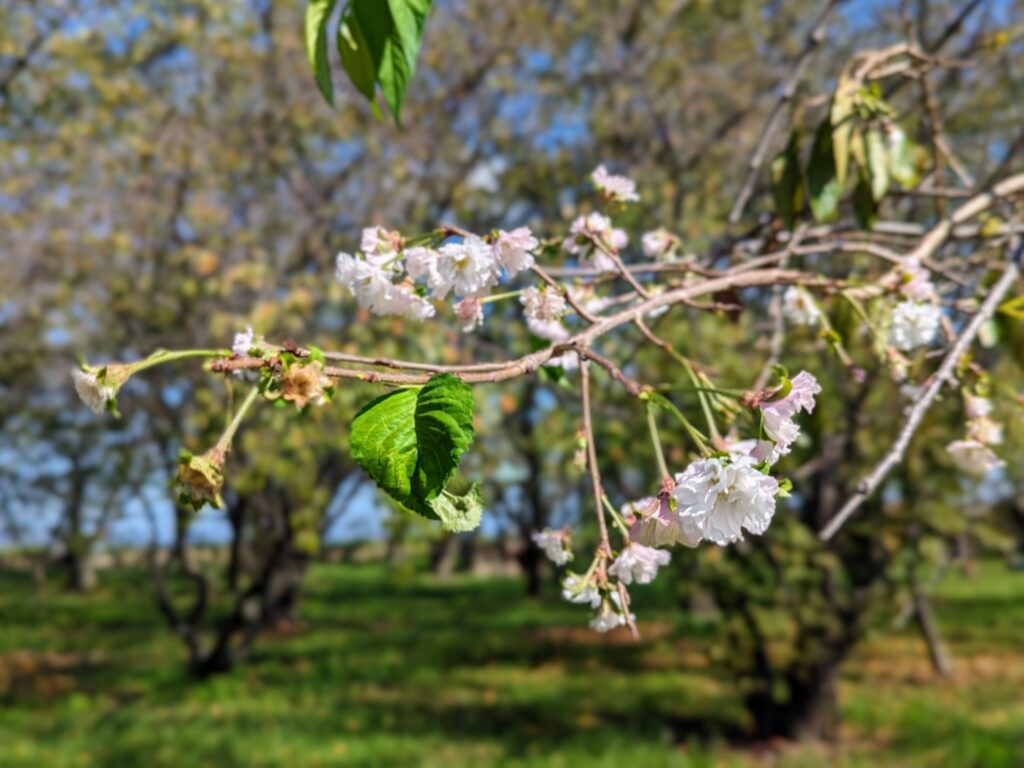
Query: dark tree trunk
[[530, 560], [809, 711], [80, 570]]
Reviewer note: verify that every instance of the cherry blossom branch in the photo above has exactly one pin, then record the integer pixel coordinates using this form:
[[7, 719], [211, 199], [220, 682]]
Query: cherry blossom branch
[[869, 484], [579, 342]]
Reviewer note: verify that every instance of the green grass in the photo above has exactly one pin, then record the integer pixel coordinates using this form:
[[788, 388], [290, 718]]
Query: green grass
[[404, 670]]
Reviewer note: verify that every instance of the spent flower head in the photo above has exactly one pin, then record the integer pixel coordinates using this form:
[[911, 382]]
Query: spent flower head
[[201, 478]]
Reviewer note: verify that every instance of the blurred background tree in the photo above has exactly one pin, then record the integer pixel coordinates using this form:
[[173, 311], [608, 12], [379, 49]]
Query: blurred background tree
[[170, 175]]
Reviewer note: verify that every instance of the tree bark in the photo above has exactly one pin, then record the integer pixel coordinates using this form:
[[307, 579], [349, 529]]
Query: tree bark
[[809, 711]]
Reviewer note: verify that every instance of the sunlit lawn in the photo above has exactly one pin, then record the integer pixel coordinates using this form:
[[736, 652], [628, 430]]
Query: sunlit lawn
[[408, 670]]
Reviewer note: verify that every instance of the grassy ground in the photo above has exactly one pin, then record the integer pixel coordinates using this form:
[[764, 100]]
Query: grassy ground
[[405, 670]]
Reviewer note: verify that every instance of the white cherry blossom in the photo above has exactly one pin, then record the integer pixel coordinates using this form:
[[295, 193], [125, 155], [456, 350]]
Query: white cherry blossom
[[638, 563], [724, 497], [576, 590], [468, 268], [799, 308], [555, 545], [658, 244], [914, 325], [542, 304], [973, 457], [243, 342], [93, 393]]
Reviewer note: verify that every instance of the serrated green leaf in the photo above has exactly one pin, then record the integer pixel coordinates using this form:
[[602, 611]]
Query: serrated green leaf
[[459, 513], [787, 181], [356, 57], [823, 186], [318, 12], [411, 441], [392, 30]]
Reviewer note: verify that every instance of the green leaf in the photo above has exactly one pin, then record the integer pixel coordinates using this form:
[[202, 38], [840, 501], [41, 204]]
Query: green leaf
[[841, 117], [356, 57], [877, 161], [459, 513], [787, 181], [392, 29], [864, 207], [823, 185], [903, 167], [410, 442], [318, 12]]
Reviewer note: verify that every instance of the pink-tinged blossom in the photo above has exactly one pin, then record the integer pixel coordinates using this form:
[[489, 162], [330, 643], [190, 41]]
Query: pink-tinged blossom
[[619, 188], [973, 457], [778, 414], [470, 312], [658, 244], [380, 241], [243, 342], [513, 250], [585, 231], [638, 563], [914, 325], [724, 497], [542, 304], [656, 525], [555, 545], [914, 282], [468, 268]]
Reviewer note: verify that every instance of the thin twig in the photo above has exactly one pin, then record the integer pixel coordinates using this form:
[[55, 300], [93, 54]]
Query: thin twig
[[814, 39], [869, 484]]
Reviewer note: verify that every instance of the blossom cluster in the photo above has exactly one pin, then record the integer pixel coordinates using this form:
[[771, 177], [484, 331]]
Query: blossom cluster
[[389, 278], [716, 499], [974, 455]]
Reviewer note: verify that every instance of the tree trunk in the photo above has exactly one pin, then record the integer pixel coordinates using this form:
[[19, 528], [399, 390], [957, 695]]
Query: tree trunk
[[80, 571], [809, 711], [942, 662]]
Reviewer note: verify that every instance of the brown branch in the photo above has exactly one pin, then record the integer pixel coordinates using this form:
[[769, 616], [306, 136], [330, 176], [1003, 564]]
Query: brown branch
[[869, 484], [529, 363]]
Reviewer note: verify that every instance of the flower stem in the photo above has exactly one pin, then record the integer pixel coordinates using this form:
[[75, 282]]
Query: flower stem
[[616, 517], [499, 296], [652, 425], [167, 356], [225, 439]]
